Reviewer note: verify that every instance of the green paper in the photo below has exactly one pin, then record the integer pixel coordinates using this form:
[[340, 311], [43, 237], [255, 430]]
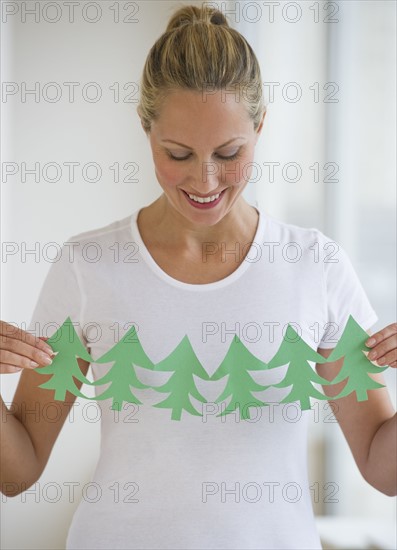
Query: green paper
[[236, 364], [356, 366], [300, 375], [293, 352], [64, 367], [122, 376], [183, 362]]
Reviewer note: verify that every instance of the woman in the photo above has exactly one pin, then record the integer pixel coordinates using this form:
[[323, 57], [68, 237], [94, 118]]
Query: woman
[[183, 470]]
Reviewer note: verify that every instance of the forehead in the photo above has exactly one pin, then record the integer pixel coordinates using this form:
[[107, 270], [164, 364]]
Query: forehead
[[202, 115]]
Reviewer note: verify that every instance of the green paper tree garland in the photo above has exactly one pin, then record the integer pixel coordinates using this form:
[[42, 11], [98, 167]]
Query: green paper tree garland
[[293, 352]]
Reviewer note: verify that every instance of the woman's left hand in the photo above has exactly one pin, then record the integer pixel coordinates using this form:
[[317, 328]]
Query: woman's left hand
[[384, 346]]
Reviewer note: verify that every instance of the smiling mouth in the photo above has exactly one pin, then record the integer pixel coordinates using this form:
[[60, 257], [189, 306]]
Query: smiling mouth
[[204, 200]]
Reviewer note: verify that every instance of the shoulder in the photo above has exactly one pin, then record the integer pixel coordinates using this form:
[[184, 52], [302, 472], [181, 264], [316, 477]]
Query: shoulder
[[99, 244], [289, 234], [104, 233]]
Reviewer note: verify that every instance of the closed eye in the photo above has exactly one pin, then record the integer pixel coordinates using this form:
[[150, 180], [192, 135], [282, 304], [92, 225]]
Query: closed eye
[[232, 157]]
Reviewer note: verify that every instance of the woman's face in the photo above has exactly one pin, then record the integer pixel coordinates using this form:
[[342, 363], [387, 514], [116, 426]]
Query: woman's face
[[203, 145]]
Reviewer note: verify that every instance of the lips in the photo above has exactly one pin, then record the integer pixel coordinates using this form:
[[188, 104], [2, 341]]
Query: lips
[[204, 205]]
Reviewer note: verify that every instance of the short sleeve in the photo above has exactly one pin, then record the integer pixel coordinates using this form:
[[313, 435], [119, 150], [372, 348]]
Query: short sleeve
[[344, 294], [60, 296]]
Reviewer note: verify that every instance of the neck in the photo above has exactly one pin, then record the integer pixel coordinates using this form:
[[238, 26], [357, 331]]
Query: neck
[[172, 228]]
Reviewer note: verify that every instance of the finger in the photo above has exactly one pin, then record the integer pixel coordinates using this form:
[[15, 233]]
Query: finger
[[386, 346], [47, 348], [393, 365], [8, 369], [21, 348], [387, 358], [9, 331], [379, 336], [10, 358]]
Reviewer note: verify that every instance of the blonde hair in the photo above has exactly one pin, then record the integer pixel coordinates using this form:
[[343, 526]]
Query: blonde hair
[[199, 51]]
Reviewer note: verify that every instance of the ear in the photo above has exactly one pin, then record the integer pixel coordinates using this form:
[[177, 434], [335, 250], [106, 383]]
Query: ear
[[259, 129]]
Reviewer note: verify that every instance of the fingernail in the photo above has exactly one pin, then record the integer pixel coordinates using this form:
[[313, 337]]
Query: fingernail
[[381, 361], [372, 354], [46, 359], [371, 342], [34, 364]]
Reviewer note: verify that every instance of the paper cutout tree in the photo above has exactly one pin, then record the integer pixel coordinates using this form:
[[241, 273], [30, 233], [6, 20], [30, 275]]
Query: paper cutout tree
[[295, 352], [236, 364], [184, 363], [65, 368], [356, 366], [122, 376]]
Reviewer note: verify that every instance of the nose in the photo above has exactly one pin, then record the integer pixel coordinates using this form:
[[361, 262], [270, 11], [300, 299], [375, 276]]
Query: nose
[[207, 176]]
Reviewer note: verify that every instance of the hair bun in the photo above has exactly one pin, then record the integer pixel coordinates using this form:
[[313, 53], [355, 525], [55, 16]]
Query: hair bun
[[217, 18], [193, 14]]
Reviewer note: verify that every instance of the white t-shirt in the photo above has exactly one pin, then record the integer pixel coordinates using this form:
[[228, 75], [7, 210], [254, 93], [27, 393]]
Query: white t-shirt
[[203, 481]]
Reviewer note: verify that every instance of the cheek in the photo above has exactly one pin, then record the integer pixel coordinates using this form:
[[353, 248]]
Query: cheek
[[169, 173], [239, 171]]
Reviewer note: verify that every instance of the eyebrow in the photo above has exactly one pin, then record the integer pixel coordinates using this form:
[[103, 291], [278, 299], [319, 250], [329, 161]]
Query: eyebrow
[[187, 147]]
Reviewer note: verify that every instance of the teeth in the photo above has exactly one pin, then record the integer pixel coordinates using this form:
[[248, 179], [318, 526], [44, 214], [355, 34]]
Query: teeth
[[203, 200]]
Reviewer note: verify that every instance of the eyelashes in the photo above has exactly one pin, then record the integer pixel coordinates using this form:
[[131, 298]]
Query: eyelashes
[[232, 157]]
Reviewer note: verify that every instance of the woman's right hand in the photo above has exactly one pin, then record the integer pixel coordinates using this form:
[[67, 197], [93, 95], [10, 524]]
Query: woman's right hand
[[21, 350]]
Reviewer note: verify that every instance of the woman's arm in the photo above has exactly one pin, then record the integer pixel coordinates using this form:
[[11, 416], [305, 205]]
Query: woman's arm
[[370, 427], [27, 435]]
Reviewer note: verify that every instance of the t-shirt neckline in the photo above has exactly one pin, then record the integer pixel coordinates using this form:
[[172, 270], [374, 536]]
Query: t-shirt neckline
[[157, 270]]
